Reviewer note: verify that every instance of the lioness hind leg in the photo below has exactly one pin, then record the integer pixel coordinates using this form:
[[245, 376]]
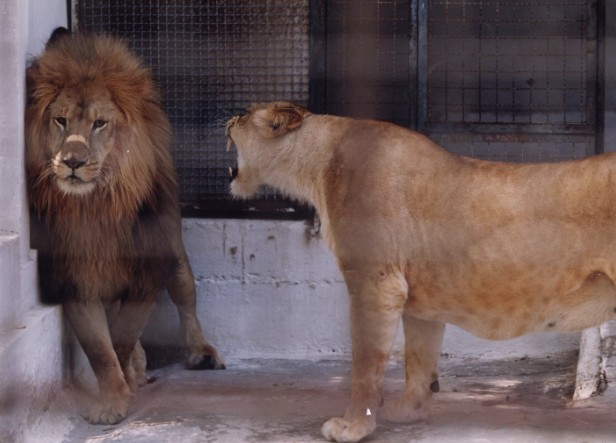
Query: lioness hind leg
[[181, 288], [422, 351], [590, 304], [89, 323], [376, 307]]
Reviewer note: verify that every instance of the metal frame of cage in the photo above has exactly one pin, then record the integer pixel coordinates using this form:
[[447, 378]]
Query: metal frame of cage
[[470, 73]]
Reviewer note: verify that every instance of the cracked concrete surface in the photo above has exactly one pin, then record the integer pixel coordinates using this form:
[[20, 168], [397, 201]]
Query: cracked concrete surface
[[520, 400]]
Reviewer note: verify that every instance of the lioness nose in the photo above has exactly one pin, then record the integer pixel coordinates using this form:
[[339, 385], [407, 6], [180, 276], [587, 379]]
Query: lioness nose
[[73, 162]]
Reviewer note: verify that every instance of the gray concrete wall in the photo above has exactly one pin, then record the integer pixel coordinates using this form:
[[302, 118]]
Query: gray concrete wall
[[31, 358]]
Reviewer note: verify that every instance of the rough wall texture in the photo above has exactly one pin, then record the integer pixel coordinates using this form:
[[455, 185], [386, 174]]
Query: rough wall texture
[[31, 357]]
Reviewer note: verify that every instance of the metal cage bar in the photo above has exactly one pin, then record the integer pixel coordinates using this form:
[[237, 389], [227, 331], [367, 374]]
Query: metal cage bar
[[515, 68], [212, 59]]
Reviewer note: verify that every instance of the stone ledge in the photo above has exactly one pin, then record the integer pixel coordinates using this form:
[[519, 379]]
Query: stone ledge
[[32, 371], [596, 367]]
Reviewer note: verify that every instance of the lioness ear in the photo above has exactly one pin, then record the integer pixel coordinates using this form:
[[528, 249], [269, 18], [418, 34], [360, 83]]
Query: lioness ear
[[279, 119]]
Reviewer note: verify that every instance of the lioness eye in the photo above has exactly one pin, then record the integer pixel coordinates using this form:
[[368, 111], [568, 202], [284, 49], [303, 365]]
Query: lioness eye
[[61, 121], [98, 124]]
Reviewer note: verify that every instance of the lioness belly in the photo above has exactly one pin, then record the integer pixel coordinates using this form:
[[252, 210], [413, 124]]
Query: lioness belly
[[501, 315]]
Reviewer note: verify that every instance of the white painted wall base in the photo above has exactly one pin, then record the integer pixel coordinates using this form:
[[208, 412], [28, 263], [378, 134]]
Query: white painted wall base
[[32, 363], [32, 370], [31, 350], [596, 370], [271, 289]]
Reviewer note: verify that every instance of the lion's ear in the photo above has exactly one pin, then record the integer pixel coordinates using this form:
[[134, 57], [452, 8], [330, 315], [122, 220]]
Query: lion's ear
[[57, 35], [40, 91], [279, 118]]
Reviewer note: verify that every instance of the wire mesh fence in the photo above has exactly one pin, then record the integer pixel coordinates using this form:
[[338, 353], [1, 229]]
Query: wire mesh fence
[[211, 59], [517, 67], [511, 80]]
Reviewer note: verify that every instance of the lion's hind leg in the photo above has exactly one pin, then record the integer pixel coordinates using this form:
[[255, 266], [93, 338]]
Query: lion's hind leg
[[377, 299], [181, 288], [422, 351], [139, 363], [126, 328]]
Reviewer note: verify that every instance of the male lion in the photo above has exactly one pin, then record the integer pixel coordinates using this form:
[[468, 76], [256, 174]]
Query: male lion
[[431, 237], [105, 201]]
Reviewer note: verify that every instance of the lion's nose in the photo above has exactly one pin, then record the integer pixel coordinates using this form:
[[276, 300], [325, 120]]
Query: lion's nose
[[74, 163]]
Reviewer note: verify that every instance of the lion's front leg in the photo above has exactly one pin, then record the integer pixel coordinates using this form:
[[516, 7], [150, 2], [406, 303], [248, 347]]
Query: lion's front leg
[[89, 323], [422, 351], [376, 306], [181, 288]]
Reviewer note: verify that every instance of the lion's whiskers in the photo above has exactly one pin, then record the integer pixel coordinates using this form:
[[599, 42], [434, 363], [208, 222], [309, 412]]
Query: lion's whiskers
[[45, 174]]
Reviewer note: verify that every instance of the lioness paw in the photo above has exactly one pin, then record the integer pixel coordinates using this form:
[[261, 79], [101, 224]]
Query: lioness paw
[[341, 430]]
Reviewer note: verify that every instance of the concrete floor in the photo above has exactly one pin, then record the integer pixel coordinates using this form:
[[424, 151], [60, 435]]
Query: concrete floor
[[523, 400]]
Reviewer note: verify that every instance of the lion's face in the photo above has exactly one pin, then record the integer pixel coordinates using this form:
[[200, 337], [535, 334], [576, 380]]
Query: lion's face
[[259, 136], [93, 125], [81, 136]]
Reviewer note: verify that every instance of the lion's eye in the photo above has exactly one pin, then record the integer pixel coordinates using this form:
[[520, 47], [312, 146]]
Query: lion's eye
[[61, 121], [98, 124]]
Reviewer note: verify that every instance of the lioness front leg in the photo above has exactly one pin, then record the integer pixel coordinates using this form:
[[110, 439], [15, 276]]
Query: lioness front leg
[[376, 306], [422, 350], [89, 323], [181, 288]]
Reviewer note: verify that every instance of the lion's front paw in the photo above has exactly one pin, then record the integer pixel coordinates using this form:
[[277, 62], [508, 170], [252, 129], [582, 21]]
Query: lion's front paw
[[405, 410], [205, 361], [341, 430], [107, 413]]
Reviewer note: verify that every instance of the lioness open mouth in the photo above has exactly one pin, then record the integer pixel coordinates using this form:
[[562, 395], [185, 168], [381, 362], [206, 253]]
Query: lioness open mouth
[[233, 171]]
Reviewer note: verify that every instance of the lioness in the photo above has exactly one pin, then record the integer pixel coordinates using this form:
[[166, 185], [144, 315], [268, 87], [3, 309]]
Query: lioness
[[431, 237], [106, 219]]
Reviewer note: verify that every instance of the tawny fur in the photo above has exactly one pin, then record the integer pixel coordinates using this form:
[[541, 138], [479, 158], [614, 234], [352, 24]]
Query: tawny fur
[[429, 237], [105, 208]]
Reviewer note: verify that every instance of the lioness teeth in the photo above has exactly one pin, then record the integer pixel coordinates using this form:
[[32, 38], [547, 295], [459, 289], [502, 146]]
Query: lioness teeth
[[233, 172]]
